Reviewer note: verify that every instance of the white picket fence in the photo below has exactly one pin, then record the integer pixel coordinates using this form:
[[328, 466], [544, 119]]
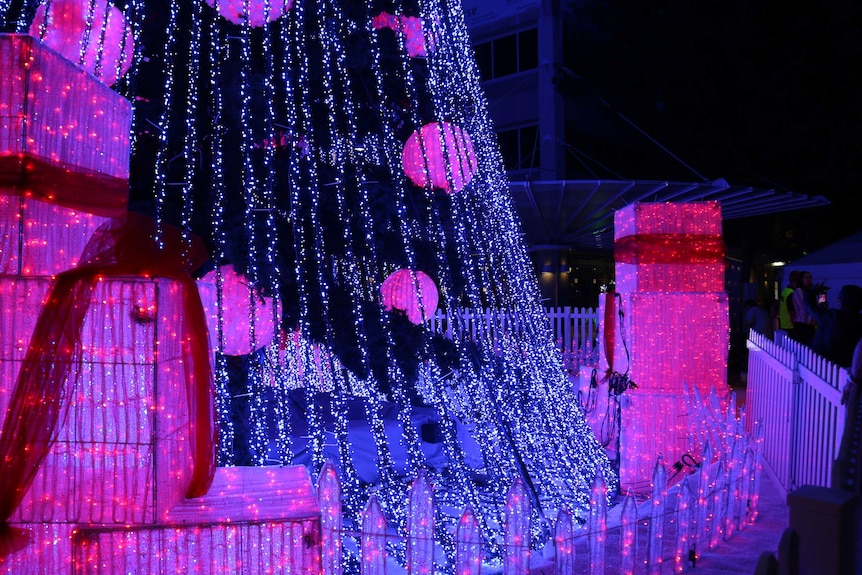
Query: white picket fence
[[797, 396], [575, 330], [673, 526]]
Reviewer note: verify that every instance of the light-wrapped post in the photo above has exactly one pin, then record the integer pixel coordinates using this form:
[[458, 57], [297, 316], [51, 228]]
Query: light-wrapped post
[[721, 489], [373, 545], [468, 544], [598, 523], [420, 526], [683, 527], [715, 517], [628, 539], [329, 499], [564, 540], [734, 472], [656, 522], [757, 437], [703, 501], [517, 554], [745, 489]]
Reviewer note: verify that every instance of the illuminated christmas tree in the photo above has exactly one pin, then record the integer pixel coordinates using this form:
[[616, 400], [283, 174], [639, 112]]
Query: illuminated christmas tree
[[340, 157]]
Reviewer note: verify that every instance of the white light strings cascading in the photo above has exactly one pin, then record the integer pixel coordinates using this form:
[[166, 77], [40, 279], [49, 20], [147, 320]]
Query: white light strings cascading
[[278, 131]]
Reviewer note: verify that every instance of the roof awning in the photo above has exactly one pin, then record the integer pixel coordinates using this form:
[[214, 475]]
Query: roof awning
[[579, 214]]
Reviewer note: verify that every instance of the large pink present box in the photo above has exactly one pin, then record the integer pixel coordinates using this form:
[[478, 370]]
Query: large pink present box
[[64, 157], [672, 247], [665, 328], [122, 453]]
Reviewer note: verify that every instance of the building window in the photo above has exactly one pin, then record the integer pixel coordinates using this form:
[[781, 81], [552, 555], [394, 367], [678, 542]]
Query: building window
[[508, 55], [520, 147]]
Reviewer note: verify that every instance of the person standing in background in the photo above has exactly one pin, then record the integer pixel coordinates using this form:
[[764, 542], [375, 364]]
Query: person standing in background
[[838, 330], [803, 323], [786, 311], [756, 317]]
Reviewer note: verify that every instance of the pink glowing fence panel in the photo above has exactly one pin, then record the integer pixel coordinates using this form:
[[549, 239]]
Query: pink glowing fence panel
[[628, 539], [598, 521], [420, 526], [564, 543], [373, 544], [468, 545], [655, 533], [683, 527], [703, 517]]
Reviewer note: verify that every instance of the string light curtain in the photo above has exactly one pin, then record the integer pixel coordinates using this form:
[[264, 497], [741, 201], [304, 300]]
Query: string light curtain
[[277, 132]]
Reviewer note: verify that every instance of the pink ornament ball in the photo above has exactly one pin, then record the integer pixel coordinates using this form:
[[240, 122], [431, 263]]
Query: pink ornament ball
[[62, 26], [253, 12], [412, 292], [238, 308], [449, 160]]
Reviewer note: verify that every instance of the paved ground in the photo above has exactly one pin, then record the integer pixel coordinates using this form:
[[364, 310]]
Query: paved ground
[[740, 553]]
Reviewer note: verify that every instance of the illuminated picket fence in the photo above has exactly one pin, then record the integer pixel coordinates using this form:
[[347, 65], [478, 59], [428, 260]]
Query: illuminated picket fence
[[797, 395], [575, 329], [673, 526]]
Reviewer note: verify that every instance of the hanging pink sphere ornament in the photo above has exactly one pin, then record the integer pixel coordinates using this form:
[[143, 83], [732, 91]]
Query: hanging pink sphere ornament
[[448, 162], [239, 307], [412, 292], [69, 28], [255, 13]]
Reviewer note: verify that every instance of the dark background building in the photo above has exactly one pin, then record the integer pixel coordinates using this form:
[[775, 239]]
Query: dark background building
[[598, 104]]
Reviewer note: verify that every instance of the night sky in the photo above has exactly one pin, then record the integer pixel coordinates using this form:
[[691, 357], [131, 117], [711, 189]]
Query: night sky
[[759, 93]]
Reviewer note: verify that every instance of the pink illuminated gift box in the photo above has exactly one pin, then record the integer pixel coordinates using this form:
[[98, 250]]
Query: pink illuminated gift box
[[666, 327], [64, 157]]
